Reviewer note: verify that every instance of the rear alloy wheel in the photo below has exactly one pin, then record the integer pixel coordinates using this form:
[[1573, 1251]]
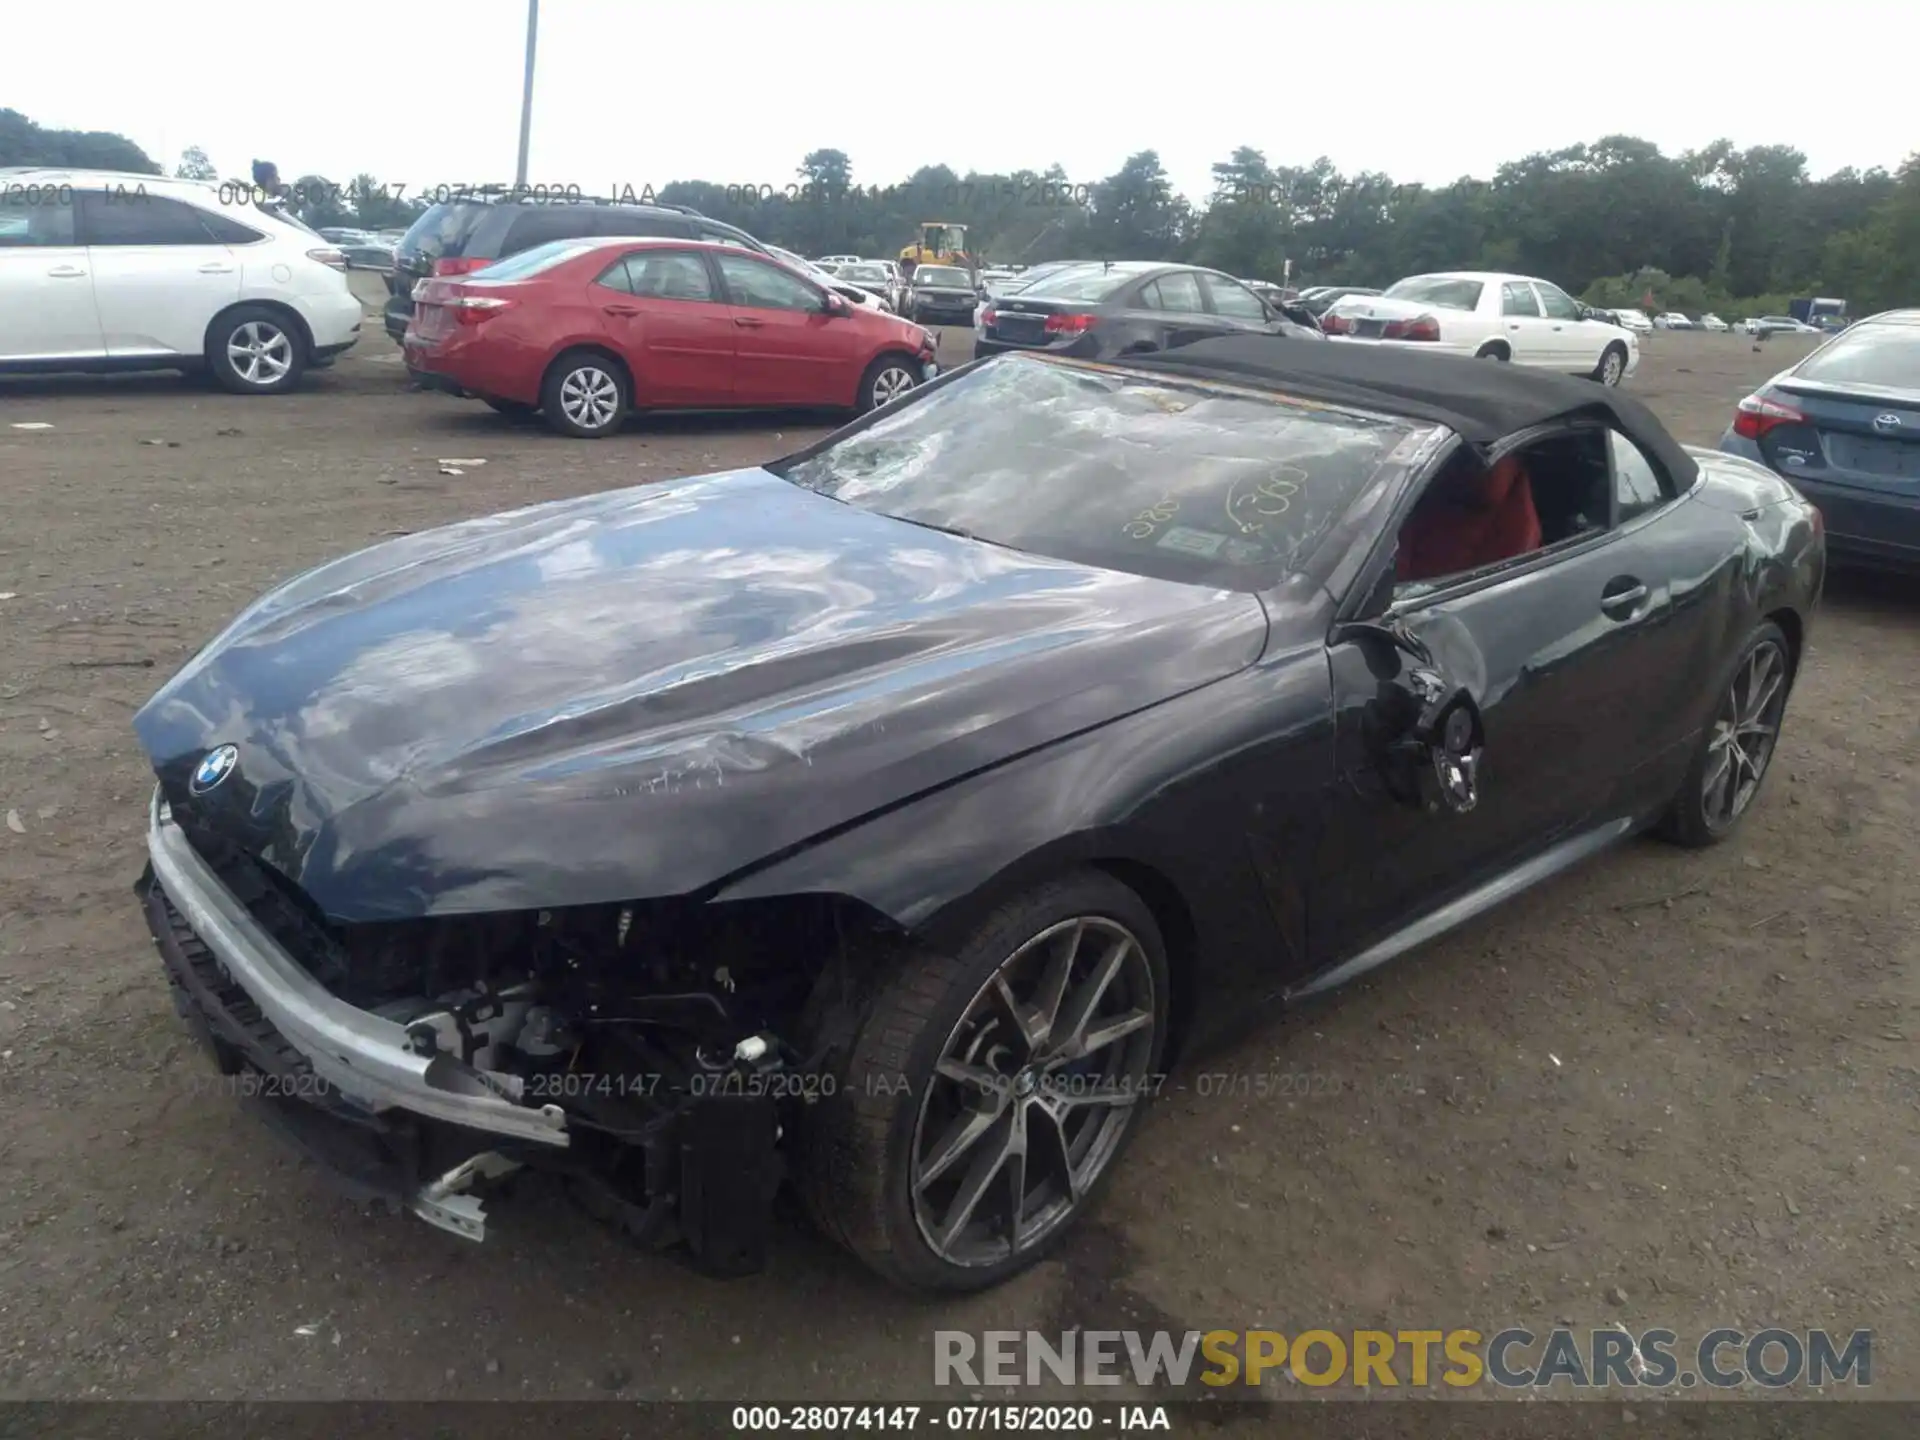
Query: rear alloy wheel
[[585, 395], [254, 350], [1494, 352], [886, 380], [986, 1095], [1738, 746], [1612, 368]]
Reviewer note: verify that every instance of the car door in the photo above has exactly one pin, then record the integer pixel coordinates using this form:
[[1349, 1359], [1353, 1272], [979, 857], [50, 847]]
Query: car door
[[1522, 324], [47, 309], [1575, 344], [1556, 655], [789, 350], [1238, 307], [1175, 308], [664, 312], [159, 276]]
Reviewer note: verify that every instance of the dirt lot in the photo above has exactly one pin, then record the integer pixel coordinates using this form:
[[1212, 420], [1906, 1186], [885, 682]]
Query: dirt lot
[[1669, 1089]]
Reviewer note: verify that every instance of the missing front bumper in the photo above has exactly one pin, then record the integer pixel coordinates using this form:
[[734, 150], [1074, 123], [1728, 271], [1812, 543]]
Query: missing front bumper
[[703, 1174]]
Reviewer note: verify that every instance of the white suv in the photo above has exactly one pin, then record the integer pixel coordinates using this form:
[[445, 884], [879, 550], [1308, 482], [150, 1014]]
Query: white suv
[[107, 271]]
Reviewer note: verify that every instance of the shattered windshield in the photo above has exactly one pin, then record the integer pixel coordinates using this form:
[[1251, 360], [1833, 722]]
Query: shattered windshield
[[1187, 482]]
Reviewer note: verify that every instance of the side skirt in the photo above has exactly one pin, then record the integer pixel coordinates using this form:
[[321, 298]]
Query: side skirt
[[1435, 923]]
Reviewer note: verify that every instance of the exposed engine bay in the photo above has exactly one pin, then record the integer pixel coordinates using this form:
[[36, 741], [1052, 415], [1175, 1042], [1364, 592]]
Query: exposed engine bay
[[663, 1034]]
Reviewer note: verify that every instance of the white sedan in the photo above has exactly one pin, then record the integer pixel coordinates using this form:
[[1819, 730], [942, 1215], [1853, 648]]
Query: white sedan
[[1491, 317]]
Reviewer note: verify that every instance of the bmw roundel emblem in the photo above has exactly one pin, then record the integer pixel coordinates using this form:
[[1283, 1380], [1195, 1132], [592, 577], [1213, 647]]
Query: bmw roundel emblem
[[214, 767]]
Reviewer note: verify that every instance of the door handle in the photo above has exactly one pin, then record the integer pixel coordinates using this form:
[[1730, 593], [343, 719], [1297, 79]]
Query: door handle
[[1622, 597], [748, 324], [1514, 326], [621, 309], [66, 272], [216, 268]]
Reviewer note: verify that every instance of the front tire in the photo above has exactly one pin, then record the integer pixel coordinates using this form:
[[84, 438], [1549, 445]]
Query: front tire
[[887, 380], [586, 395], [256, 350], [986, 1095], [1612, 368], [1738, 746]]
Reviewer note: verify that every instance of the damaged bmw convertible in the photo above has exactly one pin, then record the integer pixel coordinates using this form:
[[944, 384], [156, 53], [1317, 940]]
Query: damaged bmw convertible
[[883, 821]]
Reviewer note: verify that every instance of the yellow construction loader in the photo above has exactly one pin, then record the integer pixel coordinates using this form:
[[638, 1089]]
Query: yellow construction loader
[[941, 242]]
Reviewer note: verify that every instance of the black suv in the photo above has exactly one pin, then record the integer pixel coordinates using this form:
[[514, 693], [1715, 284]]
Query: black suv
[[472, 231]]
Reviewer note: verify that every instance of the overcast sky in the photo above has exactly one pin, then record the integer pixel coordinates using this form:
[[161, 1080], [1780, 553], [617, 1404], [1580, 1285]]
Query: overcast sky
[[637, 92]]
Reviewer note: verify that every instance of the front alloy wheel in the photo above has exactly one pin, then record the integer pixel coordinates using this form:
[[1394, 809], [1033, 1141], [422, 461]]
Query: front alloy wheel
[[1031, 1095], [1613, 366], [890, 377], [985, 1094]]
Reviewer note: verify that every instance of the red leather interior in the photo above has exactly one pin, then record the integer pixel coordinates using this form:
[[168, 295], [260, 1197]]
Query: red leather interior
[[1479, 521]]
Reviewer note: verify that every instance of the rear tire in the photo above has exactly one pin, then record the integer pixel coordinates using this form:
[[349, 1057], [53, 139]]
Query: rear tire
[[1612, 368], [256, 350], [936, 1064], [1494, 352], [1738, 747], [586, 395]]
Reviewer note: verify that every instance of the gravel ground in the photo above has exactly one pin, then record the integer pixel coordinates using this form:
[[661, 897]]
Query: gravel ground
[[1671, 1088]]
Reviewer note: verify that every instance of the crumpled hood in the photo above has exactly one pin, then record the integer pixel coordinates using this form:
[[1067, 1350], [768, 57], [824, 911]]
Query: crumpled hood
[[641, 693]]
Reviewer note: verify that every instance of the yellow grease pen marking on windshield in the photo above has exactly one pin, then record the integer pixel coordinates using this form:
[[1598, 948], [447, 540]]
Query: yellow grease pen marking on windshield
[[1142, 526], [1271, 498]]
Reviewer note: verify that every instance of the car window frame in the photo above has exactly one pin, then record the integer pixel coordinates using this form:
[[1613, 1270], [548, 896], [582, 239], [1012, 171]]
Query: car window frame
[[1208, 279], [1543, 288], [1153, 284], [753, 257], [71, 204], [1366, 578], [1507, 287], [84, 220], [255, 236], [718, 295], [1669, 491]]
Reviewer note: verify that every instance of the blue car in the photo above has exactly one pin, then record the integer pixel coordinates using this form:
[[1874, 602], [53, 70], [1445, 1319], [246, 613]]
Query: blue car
[[1844, 426]]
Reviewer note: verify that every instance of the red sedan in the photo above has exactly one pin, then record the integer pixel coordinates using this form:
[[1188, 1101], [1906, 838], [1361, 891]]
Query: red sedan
[[586, 330]]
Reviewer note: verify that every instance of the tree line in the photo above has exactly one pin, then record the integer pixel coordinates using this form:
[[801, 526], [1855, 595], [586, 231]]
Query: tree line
[[1615, 220]]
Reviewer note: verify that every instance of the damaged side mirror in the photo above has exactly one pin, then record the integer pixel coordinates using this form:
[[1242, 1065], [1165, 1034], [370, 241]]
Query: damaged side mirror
[[1427, 733], [1438, 760]]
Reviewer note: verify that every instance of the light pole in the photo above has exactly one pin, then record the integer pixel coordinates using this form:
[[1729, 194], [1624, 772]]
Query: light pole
[[526, 96]]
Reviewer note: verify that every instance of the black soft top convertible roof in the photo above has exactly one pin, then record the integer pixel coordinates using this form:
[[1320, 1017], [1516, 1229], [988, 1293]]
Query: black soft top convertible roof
[[1481, 401]]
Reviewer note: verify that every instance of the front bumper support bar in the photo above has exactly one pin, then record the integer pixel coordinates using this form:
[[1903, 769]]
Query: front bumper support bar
[[366, 1057]]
